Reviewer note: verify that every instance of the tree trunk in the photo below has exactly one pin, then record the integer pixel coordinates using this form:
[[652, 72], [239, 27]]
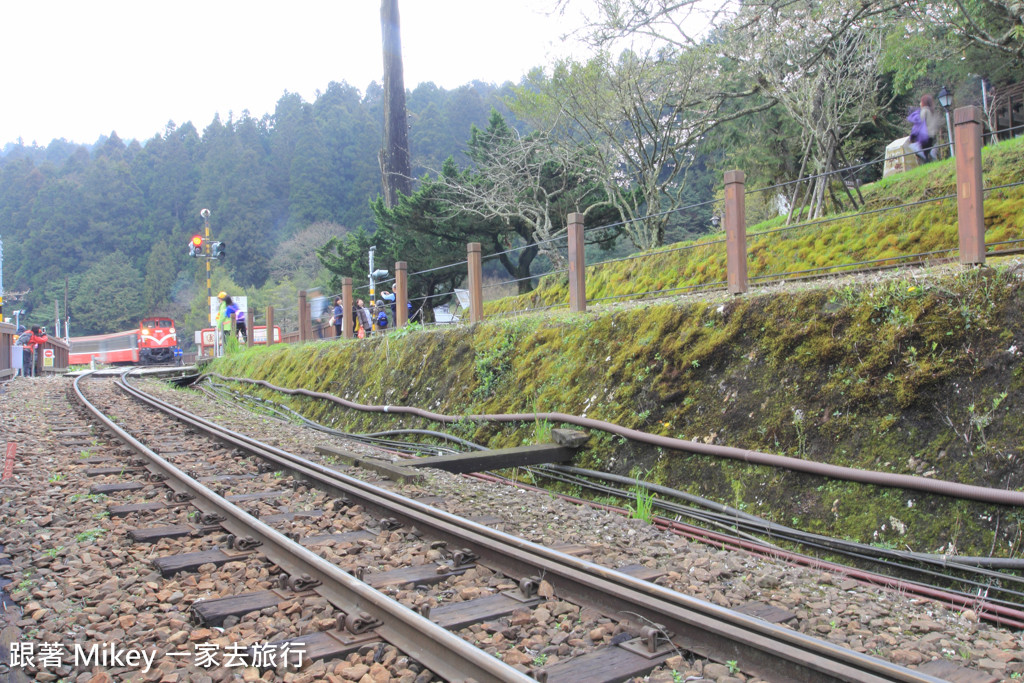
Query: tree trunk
[[396, 170], [519, 268]]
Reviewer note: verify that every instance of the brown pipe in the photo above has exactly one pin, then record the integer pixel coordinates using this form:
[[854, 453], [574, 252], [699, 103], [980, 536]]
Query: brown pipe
[[904, 481]]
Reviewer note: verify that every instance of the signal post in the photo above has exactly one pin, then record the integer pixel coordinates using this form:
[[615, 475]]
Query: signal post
[[203, 246]]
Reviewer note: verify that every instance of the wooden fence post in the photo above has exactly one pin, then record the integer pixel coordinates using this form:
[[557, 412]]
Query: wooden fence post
[[577, 265], [250, 325], [303, 316], [347, 326], [270, 325], [401, 293], [736, 231], [970, 199], [476, 291]]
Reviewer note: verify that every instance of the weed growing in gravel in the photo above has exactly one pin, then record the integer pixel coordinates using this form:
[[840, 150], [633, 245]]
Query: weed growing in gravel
[[53, 552], [85, 454], [644, 506], [92, 498], [90, 535], [542, 431], [57, 476], [734, 668], [101, 515]]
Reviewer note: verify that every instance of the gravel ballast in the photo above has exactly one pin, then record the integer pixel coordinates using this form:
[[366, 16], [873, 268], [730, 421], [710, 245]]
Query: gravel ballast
[[76, 579]]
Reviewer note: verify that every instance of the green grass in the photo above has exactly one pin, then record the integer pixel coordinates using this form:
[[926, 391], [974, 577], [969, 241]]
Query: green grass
[[832, 241]]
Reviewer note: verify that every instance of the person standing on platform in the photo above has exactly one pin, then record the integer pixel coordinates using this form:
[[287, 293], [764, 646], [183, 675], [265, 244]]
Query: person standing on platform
[[338, 313], [365, 325], [382, 317], [240, 323], [222, 322], [933, 126], [35, 342], [232, 311]]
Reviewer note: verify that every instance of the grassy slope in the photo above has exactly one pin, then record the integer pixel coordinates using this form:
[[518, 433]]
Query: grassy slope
[[916, 372], [846, 239]]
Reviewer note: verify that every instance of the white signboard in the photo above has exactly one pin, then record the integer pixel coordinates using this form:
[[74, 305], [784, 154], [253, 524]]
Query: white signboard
[[463, 296], [259, 335], [241, 301]]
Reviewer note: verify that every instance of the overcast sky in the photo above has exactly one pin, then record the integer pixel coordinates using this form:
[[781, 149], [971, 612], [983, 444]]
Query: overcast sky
[[77, 70]]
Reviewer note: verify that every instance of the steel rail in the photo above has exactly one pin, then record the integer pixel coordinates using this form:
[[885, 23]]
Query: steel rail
[[436, 648], [708, 630]]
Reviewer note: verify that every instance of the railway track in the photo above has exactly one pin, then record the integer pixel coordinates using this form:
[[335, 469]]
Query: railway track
[[392, 570]]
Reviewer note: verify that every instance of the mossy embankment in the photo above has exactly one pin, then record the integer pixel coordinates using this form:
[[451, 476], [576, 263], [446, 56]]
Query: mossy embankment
[[916, 373], [902, 215]]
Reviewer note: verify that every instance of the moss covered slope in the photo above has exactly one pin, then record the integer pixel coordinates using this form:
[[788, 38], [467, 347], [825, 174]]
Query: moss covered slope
[[916, 373], [880, 231]]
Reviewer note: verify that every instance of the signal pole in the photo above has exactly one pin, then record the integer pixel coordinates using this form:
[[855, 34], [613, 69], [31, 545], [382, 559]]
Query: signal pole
[[205, 213]]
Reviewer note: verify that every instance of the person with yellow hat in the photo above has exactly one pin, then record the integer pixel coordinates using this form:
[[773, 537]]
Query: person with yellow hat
[[222, 323]]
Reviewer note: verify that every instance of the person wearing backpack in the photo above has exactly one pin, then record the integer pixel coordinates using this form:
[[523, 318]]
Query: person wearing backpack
[[382, 317], [35, 341], [26, 351]]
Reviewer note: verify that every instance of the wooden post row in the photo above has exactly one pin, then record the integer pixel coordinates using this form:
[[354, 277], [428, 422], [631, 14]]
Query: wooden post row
[[401, 293], [969, 189], [736, 232], [476, 291], [303, 315], [347, 325], [250, 325], [577, 265]]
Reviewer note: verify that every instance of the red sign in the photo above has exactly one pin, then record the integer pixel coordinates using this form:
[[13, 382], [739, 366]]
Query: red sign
[[9, 461]]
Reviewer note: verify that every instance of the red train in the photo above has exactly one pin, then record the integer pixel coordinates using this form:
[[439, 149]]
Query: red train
[[155, 341]]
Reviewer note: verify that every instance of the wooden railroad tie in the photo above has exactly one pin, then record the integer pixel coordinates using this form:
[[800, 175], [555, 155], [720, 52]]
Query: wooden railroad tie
[[565, 444]]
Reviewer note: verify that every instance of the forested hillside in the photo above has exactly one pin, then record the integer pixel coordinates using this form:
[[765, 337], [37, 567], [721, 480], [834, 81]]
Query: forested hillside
[[114, 217]]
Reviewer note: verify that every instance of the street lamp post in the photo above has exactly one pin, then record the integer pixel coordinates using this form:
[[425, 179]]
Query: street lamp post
[[946, 101]]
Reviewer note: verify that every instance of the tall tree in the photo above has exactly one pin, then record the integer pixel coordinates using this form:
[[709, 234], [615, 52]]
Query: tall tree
[[525, 181], [638, 119], [396, 169], [108, 297], [829, 89]]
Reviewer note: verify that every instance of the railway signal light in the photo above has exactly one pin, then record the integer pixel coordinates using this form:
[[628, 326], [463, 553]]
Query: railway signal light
[[195, 246], [217, 249]]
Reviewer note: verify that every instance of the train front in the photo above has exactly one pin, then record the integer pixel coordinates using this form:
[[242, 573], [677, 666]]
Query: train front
[[158, 342]]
